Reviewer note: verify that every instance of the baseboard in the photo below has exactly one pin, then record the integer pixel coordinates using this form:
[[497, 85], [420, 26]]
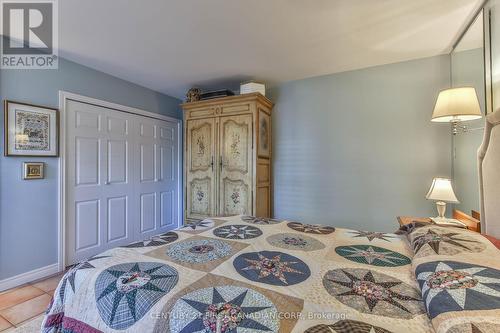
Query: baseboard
[[30, 276]]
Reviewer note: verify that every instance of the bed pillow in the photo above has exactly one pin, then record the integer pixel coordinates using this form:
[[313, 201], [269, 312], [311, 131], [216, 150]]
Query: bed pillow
[[434, 241]]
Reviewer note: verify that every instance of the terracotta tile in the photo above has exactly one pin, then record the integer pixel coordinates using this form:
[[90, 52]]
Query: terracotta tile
[[26, 310], [30, 325], [48, 284], [4, 324], [18, 295], [9, 290]]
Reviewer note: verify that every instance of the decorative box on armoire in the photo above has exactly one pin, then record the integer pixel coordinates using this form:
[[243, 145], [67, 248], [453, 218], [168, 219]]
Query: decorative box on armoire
[[227, 157]]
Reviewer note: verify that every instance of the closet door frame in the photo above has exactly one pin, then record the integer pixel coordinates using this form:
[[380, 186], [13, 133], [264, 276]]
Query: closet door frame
[[64, 97]]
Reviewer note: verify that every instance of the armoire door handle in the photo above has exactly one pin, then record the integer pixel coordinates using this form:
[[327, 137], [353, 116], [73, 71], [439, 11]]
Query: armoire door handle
[[220, 163], [212, 164]]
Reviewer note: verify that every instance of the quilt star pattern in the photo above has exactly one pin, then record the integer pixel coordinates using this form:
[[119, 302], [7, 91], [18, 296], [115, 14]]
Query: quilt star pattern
[[276, 268], [372, 255], [454, 286], [237, 231], [124, 293], [371, 235]]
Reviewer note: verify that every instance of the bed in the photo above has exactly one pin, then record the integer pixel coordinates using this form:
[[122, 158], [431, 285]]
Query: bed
[[249, 274]]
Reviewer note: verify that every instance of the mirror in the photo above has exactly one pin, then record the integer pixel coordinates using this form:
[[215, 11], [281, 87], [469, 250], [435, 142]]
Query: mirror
[[467, 70]]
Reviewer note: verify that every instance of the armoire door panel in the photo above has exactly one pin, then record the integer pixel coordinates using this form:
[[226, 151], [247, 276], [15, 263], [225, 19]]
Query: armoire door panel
[[235, 144], [200, 162], [235, 197], [235, 182], [201, 147], [199, 191]]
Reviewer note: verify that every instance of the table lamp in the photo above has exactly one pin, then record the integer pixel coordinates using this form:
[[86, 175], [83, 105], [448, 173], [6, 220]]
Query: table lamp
[[456, 105], [442, 192]]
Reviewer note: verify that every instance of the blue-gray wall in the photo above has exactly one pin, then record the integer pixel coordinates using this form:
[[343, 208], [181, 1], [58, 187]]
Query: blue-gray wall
[[358, 148], [28, 209]]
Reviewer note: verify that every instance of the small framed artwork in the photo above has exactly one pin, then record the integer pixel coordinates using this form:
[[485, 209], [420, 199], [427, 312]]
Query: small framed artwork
[[30, 130], [33, 170], [264, 142]]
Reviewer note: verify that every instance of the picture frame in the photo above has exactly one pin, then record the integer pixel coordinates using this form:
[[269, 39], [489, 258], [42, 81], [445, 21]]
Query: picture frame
[[33, 170], [30, 130], [264, 135]]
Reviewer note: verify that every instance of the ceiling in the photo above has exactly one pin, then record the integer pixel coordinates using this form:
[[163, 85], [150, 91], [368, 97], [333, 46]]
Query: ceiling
[[170, 46], [473, 37]]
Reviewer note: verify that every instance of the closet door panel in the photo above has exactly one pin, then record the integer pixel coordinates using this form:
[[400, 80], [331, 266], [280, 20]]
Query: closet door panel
[[98, 183], [200, 163], [118, 185], [235, 181], [168, 165], [156, 184]]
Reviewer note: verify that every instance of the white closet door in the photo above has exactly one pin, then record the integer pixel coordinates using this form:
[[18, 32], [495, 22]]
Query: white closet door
[[156, 188], [121, 179]]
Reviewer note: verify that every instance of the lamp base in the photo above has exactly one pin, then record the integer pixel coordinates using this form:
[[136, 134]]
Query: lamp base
[[441, 208], [456, 126]]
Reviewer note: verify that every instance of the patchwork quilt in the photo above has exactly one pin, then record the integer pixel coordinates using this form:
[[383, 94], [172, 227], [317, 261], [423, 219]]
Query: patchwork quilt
[[458, 272], [247, 274]]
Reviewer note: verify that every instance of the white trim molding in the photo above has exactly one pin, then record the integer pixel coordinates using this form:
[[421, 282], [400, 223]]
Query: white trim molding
[[30, 276], [64, 97]]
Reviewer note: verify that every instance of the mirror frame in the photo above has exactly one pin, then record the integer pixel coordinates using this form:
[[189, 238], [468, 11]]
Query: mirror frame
[[488, 69]]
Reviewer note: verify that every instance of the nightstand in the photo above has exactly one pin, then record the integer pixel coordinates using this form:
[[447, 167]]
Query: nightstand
[[471, 223]]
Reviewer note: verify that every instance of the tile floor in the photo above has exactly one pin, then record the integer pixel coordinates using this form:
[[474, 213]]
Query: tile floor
[[21, 304]]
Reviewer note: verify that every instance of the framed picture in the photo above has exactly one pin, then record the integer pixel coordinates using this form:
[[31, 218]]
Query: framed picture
[[30, 130], [264, 135], [33, 170]]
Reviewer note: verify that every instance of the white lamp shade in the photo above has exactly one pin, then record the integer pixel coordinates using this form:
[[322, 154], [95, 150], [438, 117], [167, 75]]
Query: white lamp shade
[[441, 190], [457, 104]]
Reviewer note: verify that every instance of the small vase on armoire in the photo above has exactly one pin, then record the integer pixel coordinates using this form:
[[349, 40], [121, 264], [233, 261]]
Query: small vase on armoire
[[227, 161]]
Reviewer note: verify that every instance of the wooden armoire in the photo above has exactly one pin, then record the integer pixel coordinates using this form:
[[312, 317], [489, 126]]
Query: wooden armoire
[[227, 161]]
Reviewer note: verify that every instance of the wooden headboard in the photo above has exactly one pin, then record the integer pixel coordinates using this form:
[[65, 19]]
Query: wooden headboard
[[489, 176]]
